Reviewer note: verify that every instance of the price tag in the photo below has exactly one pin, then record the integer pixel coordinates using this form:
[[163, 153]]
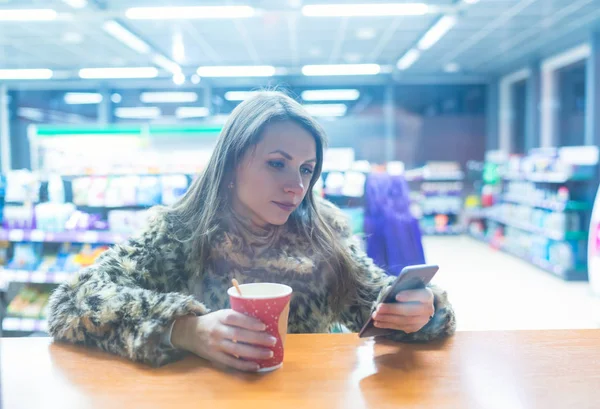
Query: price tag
[[37, 235], [16, 235], [89, 237], [27, 324], [39, 277]]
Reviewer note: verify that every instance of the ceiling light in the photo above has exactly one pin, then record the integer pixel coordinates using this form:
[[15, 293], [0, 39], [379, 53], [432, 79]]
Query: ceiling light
[[178, 47], [186, 13], [32, 114], [195, 79], [127, 72], [331, 95], [137, 112], [82, 98], [326, 109], [365, 10], [191, 112], [437, 31], [26, 74], [76, 4], [452, 67], [239, 95], [168, 97], [237, 71], [179, 78], [28, 15], [126, 37], [72, 37], [166, 64], [366, 33], [408, 59], [116, 98], [341, 69]]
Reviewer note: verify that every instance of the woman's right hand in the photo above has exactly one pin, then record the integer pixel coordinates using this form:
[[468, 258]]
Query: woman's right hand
[[225, 337]]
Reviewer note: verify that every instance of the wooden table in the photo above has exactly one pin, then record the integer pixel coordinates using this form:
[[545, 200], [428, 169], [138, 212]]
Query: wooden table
[[495, 370]]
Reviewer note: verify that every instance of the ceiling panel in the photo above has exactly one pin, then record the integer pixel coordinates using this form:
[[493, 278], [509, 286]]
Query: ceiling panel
[[490, 36]]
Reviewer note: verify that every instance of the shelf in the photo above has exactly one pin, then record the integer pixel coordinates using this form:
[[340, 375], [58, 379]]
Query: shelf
[[554, 206], [91, 237], [38, 277], [452, 231], [446, 212], [558, 236], [579, 274], [547, 178], [24, 324], [567, 274]]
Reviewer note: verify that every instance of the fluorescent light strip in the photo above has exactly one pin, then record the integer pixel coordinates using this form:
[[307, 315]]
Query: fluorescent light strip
[[27, 15], [437, 31], [341, 69], [191, 112], [82, 98], [168, 97], [126, 37], [137, 112], [76, 4], [178, 48], [331, 95], [365, 10], [198, 12], [127, 72], [408, 59], [166, 64], [237, 71], [26, 74], [239, 95], [326, 110]]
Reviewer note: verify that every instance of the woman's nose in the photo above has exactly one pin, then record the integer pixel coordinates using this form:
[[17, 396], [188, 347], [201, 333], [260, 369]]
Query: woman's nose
[[295, 185]]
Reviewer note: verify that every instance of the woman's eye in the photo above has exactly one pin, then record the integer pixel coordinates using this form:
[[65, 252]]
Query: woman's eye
[[307, 171], [275, 164]]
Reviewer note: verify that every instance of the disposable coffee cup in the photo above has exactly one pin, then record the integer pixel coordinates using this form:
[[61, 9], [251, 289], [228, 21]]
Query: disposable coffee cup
[[269, 303]]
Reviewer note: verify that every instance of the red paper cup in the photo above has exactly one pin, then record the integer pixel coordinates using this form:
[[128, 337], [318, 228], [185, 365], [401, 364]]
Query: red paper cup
[[270, 303]]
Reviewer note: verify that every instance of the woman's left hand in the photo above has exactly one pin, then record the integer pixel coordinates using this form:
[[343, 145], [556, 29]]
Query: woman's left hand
[[412, 312]]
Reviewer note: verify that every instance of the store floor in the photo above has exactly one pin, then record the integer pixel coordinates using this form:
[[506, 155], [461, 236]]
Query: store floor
[[491, 290]]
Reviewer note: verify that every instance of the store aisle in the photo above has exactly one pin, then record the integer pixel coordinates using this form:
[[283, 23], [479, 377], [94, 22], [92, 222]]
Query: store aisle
[[491, 290]]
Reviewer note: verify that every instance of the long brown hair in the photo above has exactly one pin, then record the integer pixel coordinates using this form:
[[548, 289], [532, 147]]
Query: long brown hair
[[201, 208]]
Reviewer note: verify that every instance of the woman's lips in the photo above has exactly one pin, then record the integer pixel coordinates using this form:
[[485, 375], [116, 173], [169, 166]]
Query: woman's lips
[[288, 207]]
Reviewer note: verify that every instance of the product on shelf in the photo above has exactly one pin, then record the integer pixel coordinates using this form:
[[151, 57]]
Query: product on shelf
[[30, 302], [149, 191], [22, 186], [19, 217], [173, 187], [26, 256], [53, 217], [127, 221]]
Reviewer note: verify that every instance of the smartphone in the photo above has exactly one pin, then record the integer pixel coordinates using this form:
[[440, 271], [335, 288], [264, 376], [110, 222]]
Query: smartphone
[[410, 278]]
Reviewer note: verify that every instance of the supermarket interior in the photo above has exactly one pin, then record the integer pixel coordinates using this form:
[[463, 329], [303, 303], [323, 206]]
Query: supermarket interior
[[462, 133]]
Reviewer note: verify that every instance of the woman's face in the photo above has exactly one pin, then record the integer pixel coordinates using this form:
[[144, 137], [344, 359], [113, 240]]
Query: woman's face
[[273, 178]]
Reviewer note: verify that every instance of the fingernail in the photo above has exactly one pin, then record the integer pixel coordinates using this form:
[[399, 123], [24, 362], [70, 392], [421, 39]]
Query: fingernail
[[374, 315], [271, 354], [273, 341], [263, 327], [399, 297], [376, 324]]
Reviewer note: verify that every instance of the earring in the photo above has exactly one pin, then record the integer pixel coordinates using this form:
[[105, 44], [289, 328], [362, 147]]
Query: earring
[[230, 185]]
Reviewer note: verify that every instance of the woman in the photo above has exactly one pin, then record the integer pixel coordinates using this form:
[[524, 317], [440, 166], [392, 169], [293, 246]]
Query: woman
[[252, 216]]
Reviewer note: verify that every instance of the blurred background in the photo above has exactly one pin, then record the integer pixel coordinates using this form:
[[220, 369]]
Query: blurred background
[[461, 132]]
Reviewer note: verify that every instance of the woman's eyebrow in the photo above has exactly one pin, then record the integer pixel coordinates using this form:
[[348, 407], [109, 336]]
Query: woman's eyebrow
[[288, 156]]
